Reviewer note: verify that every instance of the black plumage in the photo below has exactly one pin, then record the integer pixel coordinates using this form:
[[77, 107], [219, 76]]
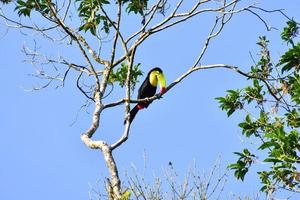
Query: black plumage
[[145, 90]]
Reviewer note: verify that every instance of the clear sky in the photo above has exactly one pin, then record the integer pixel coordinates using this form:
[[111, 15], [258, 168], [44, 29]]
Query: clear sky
[[42, 156]]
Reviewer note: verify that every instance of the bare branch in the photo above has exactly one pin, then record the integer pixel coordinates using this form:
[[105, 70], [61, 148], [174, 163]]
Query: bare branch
[[116, 27], [163, 25], [152, 13], [193, 12], [271, 11], [81, 90], [123, 138], [78, 38], [183, 76], [108, 68], [269, 28], [19, 25]]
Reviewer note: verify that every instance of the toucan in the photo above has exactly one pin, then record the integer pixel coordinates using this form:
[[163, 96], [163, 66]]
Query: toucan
[[148, 89]]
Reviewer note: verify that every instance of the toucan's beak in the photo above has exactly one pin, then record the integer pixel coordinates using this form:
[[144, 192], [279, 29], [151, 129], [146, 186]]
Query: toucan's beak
[[162, 82]]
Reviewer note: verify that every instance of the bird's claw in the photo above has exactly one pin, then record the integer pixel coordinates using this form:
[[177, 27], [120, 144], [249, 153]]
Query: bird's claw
[[160, 96]]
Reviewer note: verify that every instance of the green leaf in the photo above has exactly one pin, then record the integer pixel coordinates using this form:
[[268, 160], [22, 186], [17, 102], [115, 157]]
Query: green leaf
[[231, 102], [92, 18], [25, 8], [266, 145], [293, 118], [121, 74], [290, 32], [264, 65], [241, 167], [238, 153], [249, 127], [274, 160], [254, 93], [277, 132], [294, 87], [291, 59], [136, 6]]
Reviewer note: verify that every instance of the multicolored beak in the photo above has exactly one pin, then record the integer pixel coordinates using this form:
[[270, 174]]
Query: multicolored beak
[[162, 82]]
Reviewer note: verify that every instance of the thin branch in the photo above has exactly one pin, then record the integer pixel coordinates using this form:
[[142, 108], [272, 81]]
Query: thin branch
[[77, 67], [116, 27], [108, 68], [67, 10], [65, 76], [98, 105], [191, 14], [127, 105], [269, 28], [81, 90], [271, 11], [183, 76], [20, 25], [214, 34], [163, 26], [152, 11], [78, 38], [123, 138]]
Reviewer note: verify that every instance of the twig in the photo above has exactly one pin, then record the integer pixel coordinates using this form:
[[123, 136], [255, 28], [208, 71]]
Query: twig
[[81, 90]]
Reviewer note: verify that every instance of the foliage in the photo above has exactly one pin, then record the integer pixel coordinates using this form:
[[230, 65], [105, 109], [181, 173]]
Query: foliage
[[88, 10], [136, 6], [241, 167], [231, 102], [89, 13], [290, 32], [275, 94], [121, 73], [291, 59], [25, 7]]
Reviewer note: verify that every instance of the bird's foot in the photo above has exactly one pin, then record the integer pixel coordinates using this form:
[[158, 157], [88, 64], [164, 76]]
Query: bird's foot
[[159, 96]]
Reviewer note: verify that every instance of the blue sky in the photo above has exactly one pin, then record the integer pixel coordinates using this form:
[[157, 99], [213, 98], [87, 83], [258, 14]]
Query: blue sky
[[42, 156]]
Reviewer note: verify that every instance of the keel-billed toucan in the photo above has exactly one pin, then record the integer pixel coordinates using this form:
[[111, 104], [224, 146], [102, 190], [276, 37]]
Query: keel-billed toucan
[[148, 89]]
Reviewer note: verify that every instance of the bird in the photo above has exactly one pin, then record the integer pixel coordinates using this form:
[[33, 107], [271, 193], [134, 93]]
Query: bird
[[148, 89]]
